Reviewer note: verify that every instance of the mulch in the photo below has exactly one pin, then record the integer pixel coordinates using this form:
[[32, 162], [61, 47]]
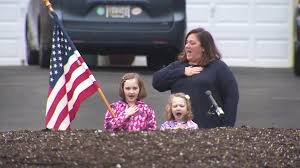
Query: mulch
[[218, 147]]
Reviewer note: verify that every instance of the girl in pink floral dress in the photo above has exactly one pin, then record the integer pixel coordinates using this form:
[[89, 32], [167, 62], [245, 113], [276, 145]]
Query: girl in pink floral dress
[[178, 113], [132, 114]]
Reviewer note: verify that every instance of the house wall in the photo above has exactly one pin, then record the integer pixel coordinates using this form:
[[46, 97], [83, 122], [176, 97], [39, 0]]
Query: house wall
[[251, 33], [12, 31], [255, 33]]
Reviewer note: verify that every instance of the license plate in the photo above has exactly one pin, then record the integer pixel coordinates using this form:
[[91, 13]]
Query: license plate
[[113, 11]]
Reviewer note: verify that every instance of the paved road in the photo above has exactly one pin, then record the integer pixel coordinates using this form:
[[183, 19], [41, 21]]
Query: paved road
[[268, 97]]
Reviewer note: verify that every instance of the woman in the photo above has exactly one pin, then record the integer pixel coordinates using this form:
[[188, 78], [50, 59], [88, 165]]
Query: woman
[[198, 70]]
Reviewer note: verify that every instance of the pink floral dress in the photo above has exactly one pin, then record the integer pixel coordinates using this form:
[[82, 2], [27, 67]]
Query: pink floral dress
[[143, 120], [172, 124]]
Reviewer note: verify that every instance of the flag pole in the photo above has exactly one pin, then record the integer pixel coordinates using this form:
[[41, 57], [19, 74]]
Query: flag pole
[[105, 101], [49, 6]]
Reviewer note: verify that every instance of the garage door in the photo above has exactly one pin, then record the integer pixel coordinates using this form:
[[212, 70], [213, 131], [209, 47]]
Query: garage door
[[255, 33], [12, 31]]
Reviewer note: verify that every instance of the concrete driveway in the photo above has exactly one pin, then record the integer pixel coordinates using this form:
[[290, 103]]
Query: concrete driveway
[[268, 97]]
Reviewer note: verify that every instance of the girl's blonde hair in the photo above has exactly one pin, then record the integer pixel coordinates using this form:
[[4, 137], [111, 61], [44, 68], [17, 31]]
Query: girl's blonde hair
[[128, 76], [168, 109]]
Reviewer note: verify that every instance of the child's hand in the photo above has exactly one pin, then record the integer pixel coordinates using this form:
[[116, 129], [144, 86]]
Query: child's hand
[[181, 126], [131, 110]]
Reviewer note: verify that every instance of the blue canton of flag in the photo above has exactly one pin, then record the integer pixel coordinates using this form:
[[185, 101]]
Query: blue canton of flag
[[61, 52]]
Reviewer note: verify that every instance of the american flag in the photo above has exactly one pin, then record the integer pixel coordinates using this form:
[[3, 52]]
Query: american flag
[[71, 82]]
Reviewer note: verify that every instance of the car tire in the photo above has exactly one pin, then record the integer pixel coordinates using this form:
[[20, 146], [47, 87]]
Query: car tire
[[31, 55], [45, 42], [297, 60], [158, 60], [44, 53], [91, 60]]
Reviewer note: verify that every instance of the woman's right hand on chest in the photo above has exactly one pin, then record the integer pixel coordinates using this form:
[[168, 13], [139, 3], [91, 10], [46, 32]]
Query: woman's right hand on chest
[[190, 70]]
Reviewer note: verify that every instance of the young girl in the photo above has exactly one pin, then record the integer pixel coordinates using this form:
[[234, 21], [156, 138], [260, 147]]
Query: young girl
[[132, 114], [178, 113]]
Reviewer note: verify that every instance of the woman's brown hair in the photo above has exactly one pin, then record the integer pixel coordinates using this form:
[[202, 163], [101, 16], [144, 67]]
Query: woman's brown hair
[[211, 52]]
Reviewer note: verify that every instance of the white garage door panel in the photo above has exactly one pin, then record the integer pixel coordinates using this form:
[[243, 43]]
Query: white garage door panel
[[283, 2], [8, 30], [271, 49], [193, 17], [10, 13], [271, 14], [232, 14], [9, 48], [271, 32], [196, 1], [247, 32], [12, 44], [234, 48], [9, 1], [231, 31], [193, 25], [197, 14]]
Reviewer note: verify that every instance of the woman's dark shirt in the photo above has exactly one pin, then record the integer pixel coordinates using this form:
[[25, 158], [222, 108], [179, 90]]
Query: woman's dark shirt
[[216, 77]]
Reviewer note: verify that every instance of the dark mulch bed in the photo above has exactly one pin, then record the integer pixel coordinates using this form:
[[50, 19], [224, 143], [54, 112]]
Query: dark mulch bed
[[220, 147]]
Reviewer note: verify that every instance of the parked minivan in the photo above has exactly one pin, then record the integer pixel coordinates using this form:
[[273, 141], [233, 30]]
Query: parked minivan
[[155, 28]]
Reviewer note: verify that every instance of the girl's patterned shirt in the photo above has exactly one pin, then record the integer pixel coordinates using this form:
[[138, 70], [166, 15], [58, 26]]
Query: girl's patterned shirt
[[172, 124], [142, 120]]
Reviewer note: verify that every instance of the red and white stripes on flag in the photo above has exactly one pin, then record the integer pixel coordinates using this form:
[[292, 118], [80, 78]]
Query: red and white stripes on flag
[[71, 82], [73, 87], [70, 90]]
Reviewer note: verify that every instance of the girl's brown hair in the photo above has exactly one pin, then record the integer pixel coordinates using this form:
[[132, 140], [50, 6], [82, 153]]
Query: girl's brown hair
[[168, 109], [211, 52], [127, 76]]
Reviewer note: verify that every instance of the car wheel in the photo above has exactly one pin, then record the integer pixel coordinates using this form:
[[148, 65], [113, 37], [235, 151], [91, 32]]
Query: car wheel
[[91, 60], [297, 60], [44, 53], [158, 60], [45, 45], [31, 55]]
